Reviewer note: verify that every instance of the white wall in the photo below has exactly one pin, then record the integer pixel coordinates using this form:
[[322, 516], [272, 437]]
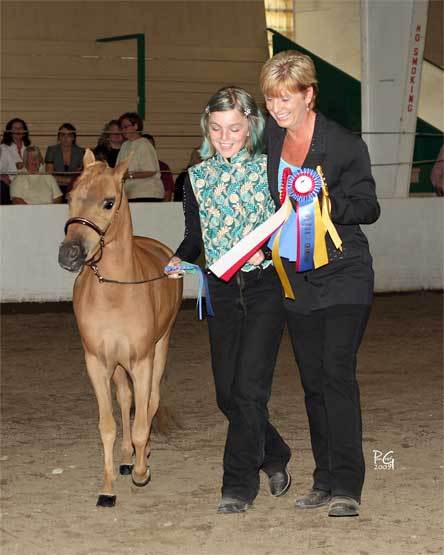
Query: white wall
[[30, 239], [406, 243]]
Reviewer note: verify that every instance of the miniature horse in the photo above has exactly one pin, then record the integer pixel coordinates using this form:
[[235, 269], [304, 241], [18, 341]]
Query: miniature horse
[[125, 312]]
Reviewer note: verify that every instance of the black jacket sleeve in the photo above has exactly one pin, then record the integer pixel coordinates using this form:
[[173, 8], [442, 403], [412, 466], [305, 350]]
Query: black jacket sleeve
[[191, 246], [353, 200]]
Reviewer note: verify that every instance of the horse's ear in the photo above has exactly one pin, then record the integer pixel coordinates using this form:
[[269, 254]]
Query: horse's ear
[[88, 158], [121, 168]]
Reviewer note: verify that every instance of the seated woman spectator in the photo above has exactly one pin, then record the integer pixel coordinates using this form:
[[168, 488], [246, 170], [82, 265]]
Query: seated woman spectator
[[65, 159], [109, 143], [34, 187], [15, 140], [143, 183], [165, 173]]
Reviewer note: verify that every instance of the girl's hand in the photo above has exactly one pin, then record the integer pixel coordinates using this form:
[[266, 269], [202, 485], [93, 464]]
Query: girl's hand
[[257, 258], [173, 271]]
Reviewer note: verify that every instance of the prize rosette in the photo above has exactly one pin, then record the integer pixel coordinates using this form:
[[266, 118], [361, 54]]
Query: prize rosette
[[304, 186]]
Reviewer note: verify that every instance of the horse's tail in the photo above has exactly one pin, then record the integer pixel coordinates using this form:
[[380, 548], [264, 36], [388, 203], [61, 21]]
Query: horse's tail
[[165, 421]]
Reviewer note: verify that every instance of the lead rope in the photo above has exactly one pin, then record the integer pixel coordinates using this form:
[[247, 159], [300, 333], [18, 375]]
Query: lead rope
[[186, 267]]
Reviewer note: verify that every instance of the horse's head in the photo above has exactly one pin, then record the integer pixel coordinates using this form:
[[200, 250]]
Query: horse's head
[[93, 205]]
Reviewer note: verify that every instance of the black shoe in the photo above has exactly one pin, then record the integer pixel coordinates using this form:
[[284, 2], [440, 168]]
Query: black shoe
[[279, 482], [315, 498], [230, 505], [343, 506]]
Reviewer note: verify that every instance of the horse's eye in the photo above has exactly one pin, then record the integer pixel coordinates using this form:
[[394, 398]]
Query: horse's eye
[[108, 203]]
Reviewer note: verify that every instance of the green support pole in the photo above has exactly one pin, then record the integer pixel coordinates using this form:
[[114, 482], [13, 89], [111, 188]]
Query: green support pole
[[140, 37]]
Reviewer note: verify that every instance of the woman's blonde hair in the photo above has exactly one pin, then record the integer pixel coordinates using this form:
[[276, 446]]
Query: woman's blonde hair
[[289, 71]]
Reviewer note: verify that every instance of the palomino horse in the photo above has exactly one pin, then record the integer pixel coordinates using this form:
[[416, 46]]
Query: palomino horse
[[125, 312]]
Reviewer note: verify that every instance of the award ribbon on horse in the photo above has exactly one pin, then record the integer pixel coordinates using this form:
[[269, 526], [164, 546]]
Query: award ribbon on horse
[[186, 267]]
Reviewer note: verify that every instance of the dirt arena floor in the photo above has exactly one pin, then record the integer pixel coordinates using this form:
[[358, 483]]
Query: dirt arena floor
[[51, 455]]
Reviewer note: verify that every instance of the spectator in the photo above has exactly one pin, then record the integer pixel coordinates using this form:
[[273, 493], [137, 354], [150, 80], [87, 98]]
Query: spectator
[[34, 187], [165, 173], [143, 183], [64, 159], [109, 143], [437, 175], [15, 140]]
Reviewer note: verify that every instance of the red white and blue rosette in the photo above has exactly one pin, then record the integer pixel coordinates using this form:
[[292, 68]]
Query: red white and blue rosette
[[303, 187]]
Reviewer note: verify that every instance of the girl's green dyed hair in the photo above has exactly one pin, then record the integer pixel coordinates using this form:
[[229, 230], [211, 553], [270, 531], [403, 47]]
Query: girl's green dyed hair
[[230, 98]]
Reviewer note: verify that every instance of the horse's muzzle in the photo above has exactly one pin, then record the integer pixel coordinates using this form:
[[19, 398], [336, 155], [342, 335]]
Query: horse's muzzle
[[72, 255]]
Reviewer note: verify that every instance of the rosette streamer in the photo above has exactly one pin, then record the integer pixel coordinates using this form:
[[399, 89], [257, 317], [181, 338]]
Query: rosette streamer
[[186, 267]]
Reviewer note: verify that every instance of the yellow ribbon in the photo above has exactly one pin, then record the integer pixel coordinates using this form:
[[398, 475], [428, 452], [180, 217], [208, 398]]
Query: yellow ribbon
[[277, 260], [326, 211]]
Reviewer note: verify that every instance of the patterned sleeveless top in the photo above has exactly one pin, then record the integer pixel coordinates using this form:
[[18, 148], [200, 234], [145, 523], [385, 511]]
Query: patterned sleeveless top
[[233, 199]]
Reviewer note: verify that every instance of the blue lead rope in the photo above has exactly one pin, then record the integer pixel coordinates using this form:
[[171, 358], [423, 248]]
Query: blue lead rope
[[203, 284]]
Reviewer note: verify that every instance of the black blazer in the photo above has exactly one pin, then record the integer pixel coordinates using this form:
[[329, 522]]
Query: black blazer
[[348, 278]]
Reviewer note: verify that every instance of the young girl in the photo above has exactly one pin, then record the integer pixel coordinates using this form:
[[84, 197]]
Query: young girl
[[225, 197]]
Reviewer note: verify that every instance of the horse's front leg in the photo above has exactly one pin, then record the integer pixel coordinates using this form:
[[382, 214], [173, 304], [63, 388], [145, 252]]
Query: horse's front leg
[[100, 377], [124, 397], [142, 375]]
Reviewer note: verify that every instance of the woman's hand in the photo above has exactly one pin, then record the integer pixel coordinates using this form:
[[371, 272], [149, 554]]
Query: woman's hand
[[174, 271], [257, 258]]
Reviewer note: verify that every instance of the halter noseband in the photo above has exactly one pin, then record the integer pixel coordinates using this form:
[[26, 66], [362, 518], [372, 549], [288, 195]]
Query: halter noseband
[[94, 227], [84, 221]]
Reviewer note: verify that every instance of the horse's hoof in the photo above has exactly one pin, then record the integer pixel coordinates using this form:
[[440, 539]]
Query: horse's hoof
[[106, 501], [125, 469], [145, 481]]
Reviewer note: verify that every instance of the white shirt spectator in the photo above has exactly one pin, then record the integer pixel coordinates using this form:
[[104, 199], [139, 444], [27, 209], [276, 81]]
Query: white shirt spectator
[[35, 188], [143, 159]]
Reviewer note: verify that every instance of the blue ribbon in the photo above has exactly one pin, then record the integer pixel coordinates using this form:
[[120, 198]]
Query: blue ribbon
[[306, 237], [203, 284]]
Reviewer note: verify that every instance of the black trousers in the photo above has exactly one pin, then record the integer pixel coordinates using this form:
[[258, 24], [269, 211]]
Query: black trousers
[[325, 343], [245, 334]]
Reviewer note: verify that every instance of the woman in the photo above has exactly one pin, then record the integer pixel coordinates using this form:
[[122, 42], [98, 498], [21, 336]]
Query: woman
[[33, 187], [143, 183], [225, 197], [165, 173], [15, 140], [109, 143], [328, 316], [65, 159]]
